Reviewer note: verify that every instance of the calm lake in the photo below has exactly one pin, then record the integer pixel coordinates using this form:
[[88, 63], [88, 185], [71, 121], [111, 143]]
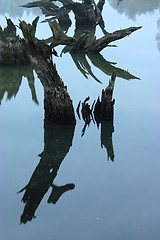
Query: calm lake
[[94, 197]]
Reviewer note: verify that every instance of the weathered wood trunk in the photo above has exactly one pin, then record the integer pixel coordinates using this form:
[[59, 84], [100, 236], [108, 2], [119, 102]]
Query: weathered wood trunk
[[17, 51], [101, 112], [57, 103], [104, 108], [12, 51]]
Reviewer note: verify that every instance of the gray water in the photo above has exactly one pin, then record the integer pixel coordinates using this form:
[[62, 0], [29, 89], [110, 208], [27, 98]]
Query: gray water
[[111, 200]]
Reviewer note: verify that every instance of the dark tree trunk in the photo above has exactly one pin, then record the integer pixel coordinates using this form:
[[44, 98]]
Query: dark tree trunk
[[12, 51], [57, 103], [17, 51], [104, 109]]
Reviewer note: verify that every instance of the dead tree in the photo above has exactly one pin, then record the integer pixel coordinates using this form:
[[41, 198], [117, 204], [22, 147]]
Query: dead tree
[[104, 109], [88, 15], [100, 111], [57, 103], [12, 51]]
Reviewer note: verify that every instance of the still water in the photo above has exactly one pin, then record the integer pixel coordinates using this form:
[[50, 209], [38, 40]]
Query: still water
[[97, 199]]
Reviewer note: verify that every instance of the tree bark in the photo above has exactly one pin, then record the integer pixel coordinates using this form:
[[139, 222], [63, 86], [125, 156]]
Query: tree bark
[[57, 103], [12, 51], [104, 109]]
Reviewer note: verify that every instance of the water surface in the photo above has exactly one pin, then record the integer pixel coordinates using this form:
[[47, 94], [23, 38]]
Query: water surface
[[111, 200]]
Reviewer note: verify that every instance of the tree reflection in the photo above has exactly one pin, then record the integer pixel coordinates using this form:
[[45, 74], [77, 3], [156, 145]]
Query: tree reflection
[[11, 80], [106, 125], [13, 9], [57, 142], [58, 138], [107, 130], [158, 34], [134, 8]]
